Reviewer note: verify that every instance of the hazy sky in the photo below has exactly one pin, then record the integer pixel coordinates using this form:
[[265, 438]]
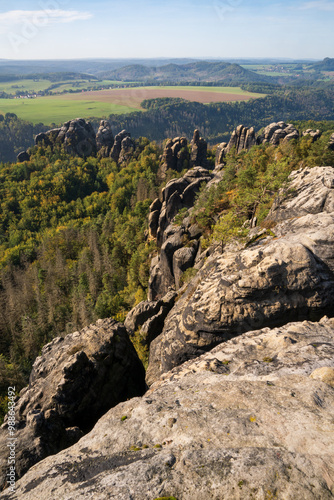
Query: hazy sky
[[62, 29]]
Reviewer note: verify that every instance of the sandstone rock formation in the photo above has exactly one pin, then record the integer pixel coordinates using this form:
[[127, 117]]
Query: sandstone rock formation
[[23, 156], [149, 316], [77, 137], [315, 134], [123, 147], [242, 138], [198, 151], [331, 142], [276, 132], [287, 274], [220, 153], [174, 157], [177, 194], [74, 381], [250, 419], [166, 269], [104, 139]]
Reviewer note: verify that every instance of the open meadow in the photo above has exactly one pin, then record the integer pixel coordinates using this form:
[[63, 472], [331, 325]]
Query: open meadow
[[102, 103]]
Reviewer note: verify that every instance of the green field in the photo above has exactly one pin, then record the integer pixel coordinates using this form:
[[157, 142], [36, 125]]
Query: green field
[[24, 86], [37, 85], [102, 103], [49, 110], [82, 84]]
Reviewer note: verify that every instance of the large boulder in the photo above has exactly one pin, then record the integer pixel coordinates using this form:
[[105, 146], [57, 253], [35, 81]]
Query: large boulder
[[287, 274], [183, 258], [72, 384], [251, 419]]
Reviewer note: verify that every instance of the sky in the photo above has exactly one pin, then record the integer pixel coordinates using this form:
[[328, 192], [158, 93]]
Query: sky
[[222, 29]]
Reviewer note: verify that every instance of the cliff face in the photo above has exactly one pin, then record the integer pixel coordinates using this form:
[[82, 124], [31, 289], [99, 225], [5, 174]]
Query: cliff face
[[286, 274], [72, 384], [241, 365]]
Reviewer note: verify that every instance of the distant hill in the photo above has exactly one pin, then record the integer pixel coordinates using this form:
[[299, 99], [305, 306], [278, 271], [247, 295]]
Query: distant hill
[[194, 71], [90, 66], [326, 65]]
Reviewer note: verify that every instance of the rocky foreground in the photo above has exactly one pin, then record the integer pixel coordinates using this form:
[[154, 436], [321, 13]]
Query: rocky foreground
[[251, 419], [241, 366]]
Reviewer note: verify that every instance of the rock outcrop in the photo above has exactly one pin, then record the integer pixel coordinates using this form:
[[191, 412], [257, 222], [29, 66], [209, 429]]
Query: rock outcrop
[[167, 268], [315, 134], [286, 274], [123, 147], [23, 156], [251, 419], [177, 194], [149, 317], [220, 153], [331, 142], [175, 156], [199, 147], [242, 138], [72, 384], [104, 139], [277, 132], [76, 136], [79, 139]]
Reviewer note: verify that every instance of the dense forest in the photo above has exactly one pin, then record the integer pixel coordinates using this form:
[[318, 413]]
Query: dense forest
[[16, 135], [74, 244], [176, 117]]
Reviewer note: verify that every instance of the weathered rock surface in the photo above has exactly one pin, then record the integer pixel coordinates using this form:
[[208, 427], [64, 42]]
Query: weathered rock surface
[[199, 147], [77, 137], [276, 132], [178, 194], [311, 191], [183, 258], [248, 420], [104, 139], [242, 138], [149, 317], [123, 147], [75, 381], [220, 153], [331, 142], [280, 278], [175, 156], [315, 134]]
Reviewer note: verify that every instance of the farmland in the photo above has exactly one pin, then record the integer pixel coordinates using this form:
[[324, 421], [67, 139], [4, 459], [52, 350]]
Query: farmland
[[102, 103]]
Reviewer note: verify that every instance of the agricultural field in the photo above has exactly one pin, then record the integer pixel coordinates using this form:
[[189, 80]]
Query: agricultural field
[[102, 103], [36, 85], [26, 85]]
